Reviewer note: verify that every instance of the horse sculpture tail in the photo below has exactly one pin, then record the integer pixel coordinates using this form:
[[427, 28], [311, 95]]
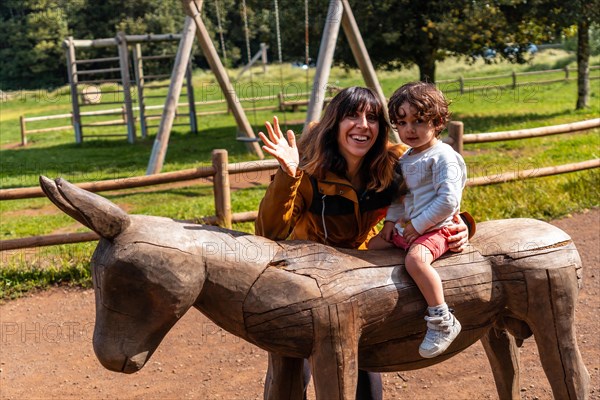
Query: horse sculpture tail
[[97, 213]]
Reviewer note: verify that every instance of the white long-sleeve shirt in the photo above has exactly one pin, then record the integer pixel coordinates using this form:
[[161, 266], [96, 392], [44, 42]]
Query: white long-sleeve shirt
[[435, 179]]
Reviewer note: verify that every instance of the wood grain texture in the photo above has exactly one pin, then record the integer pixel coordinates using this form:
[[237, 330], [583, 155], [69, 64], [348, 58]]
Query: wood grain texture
[[342, 309], [335, 355]]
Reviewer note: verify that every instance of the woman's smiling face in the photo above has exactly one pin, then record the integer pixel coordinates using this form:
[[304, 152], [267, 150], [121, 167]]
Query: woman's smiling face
[[357, 133]]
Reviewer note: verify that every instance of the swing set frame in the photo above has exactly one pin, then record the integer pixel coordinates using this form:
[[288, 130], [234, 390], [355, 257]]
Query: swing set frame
[[340, 13]]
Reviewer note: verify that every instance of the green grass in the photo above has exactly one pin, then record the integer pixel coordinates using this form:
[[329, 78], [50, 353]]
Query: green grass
[[41, 268], [55, 154]]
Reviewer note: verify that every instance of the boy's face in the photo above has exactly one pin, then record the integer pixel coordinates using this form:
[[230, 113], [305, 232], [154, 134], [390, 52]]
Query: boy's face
[[413, 130]]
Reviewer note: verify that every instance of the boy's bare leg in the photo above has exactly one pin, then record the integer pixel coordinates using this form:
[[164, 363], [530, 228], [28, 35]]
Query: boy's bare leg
[[442, 326], [418, 264]]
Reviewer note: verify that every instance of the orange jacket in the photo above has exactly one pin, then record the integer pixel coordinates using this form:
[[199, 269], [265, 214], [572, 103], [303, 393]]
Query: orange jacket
[[328, 211]]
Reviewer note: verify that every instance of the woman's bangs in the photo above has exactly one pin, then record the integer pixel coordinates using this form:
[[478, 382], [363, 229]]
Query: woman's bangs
[[360, 100]]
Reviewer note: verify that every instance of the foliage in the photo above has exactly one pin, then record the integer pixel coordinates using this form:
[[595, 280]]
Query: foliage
[[398, 33], [31, 33], [570, 40]]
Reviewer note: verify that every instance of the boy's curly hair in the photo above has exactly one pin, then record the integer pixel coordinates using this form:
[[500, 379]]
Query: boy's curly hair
[[429, 101]]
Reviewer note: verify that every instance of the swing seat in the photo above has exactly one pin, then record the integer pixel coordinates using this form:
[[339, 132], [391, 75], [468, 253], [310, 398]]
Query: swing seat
[[247, 139]]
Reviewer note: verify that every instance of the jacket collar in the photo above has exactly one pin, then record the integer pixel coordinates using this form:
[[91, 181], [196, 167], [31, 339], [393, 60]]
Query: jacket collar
[[334, 185]]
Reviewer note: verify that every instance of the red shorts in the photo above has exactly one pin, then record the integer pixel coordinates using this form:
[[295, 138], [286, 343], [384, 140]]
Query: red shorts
[[436, 241]]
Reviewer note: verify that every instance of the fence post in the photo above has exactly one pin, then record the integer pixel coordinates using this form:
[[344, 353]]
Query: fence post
[[190, 95], [456, 130], [514, 80], [221, 188], [263, 52], [126, 82], [138, 70], [461, 83], [73, 80], [566, 73], [23, 131]]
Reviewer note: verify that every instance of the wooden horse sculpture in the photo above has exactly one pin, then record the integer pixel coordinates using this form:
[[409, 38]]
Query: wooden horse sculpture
[[341, 309]]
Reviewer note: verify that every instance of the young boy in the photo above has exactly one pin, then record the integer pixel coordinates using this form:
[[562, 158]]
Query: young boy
[[434, 175]]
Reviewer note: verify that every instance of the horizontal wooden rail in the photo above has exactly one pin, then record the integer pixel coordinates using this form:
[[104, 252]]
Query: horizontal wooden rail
[[236, 168], [249, 216], [115, 122], [23, 124], [98, 71], [47, 240], [47, 117], [159, 57], [106, 42], [156, 76], [105, 135], [97, 60], [479, 78], [146, 180], [462, 88], [115, 81], [53, 129], [81, 237], [533, 173], [547, 71], [115, 184], [112, 111], [529, 133]]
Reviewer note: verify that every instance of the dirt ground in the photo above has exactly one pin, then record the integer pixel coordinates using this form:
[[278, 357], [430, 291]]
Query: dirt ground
[[46, 351]]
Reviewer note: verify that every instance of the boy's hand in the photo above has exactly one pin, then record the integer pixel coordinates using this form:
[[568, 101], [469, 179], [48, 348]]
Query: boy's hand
[[410, 233]]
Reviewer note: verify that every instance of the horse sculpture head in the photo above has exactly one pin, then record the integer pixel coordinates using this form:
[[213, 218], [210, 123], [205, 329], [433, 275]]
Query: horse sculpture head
[[137, 300]]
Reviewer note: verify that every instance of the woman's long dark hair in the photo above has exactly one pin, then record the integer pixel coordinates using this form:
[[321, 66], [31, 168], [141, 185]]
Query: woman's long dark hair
[[319, 146]]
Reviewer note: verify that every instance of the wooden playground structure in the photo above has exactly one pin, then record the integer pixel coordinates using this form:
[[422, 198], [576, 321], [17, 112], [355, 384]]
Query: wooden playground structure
[[88, 86], [132, 85]]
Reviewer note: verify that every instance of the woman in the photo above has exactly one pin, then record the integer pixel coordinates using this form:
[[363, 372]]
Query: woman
[[334, 192]]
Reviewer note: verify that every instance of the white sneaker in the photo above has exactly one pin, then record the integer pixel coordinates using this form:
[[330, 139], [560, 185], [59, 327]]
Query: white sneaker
[[441, 332]]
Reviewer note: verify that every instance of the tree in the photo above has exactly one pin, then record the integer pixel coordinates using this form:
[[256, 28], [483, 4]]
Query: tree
[[31, 33], [582, 14], [406, 32]]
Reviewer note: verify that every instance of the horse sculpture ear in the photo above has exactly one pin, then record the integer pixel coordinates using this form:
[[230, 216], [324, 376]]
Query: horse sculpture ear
[[97, 213]]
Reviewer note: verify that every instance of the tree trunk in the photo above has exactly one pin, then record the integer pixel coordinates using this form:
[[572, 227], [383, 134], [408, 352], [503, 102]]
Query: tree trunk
[[583, 61], [426, 66]]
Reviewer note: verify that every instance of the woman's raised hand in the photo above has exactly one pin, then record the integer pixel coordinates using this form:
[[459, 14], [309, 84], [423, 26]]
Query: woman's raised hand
[[285, 151]]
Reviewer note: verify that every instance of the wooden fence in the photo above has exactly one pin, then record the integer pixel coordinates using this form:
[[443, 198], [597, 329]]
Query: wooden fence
[[463, 83], [447, 86], [293, 101], [220, 170], [24, 120]]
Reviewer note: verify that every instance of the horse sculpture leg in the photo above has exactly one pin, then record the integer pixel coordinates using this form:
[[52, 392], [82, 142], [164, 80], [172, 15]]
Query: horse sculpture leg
[[503, 354], [284, 378], [551, 314], [334, 359]]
